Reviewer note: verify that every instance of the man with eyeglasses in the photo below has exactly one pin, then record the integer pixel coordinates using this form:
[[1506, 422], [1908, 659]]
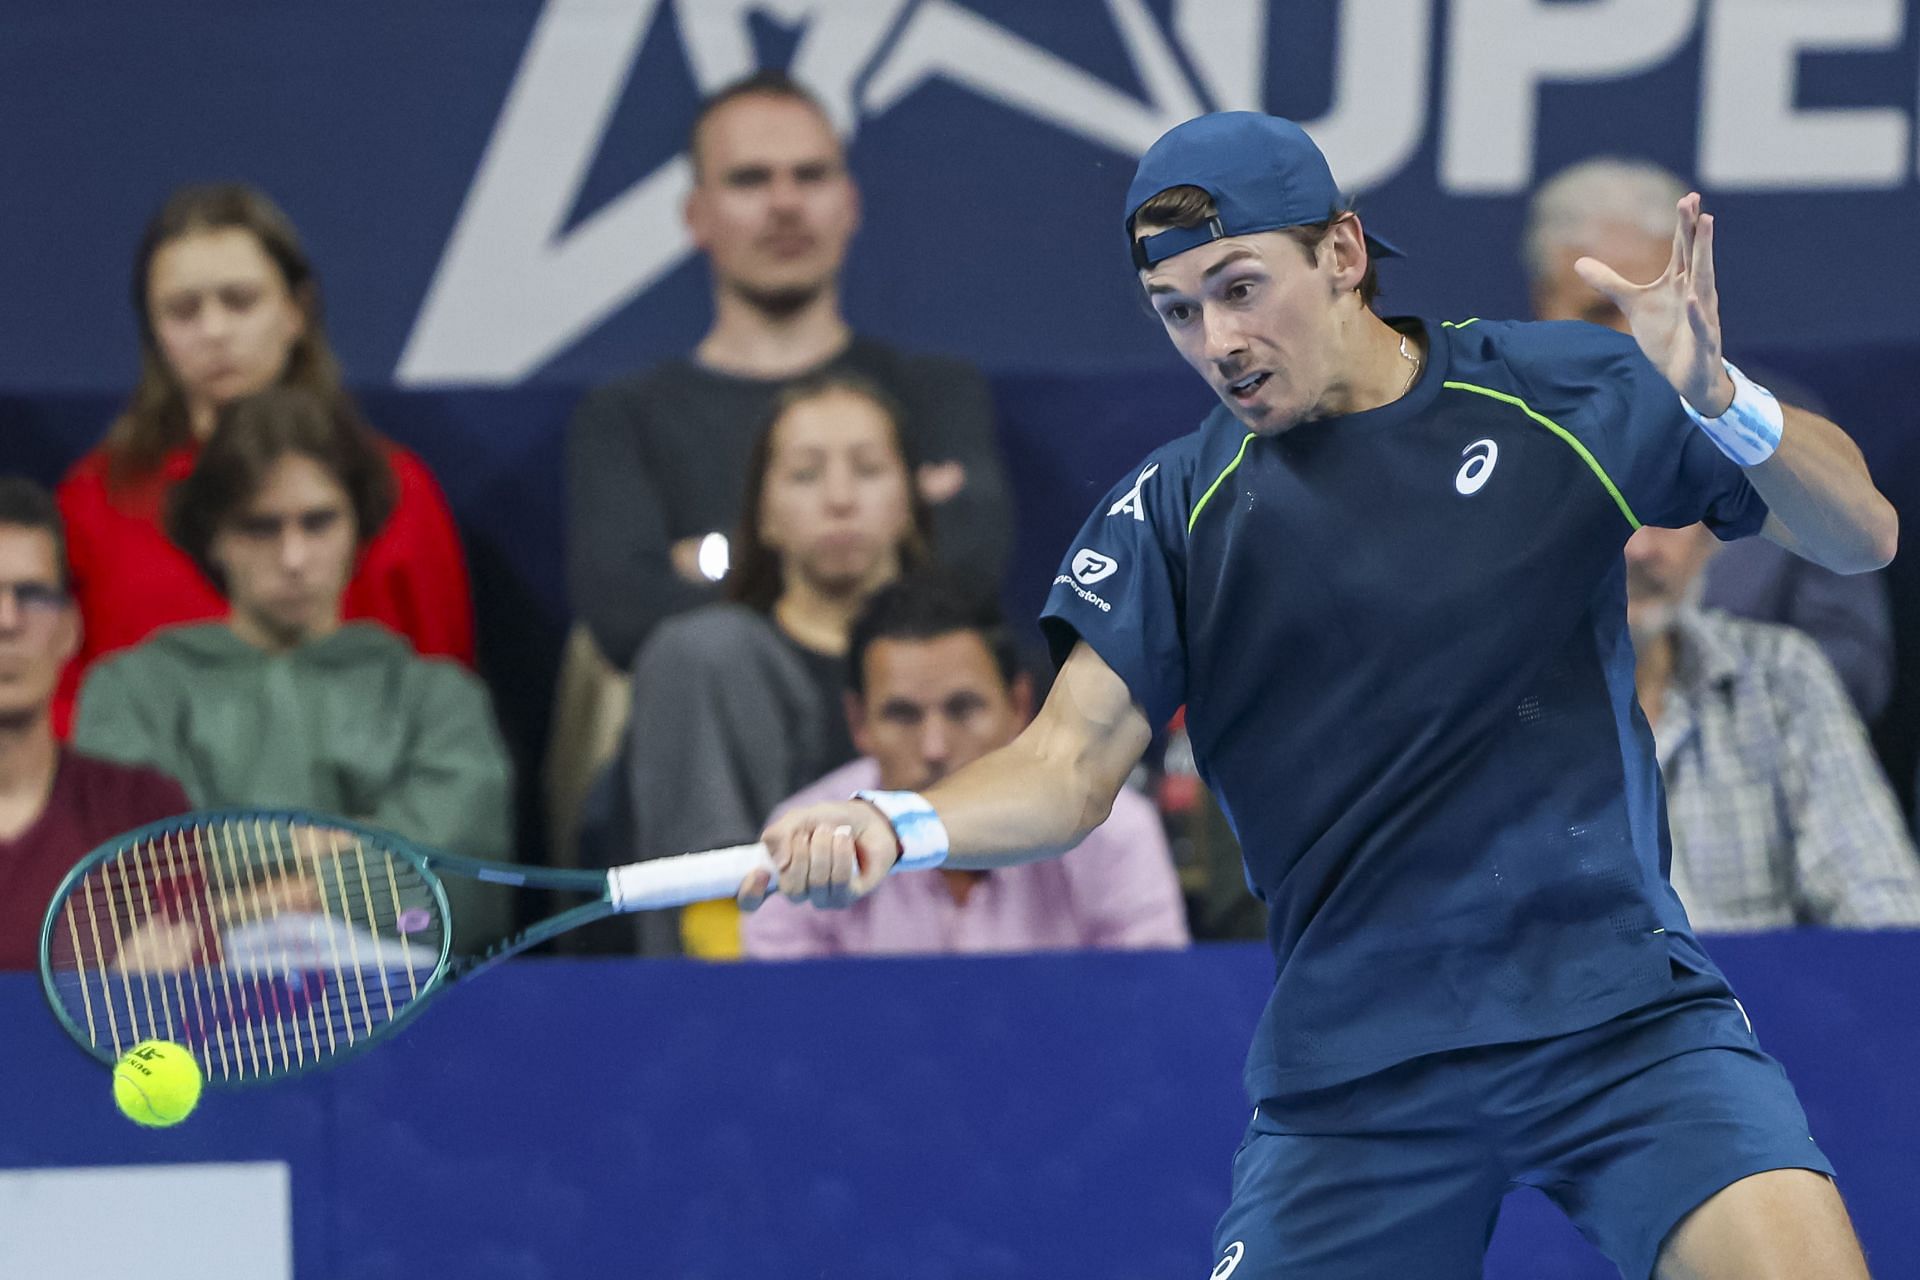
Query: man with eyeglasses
[[55, 803]]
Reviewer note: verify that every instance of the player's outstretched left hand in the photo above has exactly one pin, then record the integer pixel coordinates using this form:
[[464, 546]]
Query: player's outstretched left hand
[[1676, 319], [831, 855]]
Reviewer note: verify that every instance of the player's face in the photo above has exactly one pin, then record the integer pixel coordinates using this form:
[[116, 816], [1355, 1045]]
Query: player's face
[[835, 504], [222, 315], [39, 629], [287, 555], [772, 206], [1664, 575], [1256, 318], [933, 706], [1562, 295]]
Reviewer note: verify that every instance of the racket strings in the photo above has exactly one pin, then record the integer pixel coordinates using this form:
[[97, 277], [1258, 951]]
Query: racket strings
[[264, 945]]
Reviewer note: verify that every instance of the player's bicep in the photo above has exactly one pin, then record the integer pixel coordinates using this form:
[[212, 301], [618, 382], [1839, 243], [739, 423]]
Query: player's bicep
[[1091, 726]]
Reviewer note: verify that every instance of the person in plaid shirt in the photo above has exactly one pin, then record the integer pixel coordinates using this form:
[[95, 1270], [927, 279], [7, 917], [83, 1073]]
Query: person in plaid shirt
[[1780, 813]]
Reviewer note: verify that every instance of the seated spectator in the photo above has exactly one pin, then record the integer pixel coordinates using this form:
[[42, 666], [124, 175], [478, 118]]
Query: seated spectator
[[1621, 212], [736, 705], [56, 805], [658, 463], [283, 704], [936, 684], [227, 305], [1779, 812]]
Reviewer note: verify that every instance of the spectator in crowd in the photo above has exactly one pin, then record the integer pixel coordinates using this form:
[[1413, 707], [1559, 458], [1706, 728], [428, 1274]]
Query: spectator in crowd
[[227, 305], [738, 704], [55, 803], [283, 703], [1779, 812], [1621, 212], [936, 684], [658, 463]]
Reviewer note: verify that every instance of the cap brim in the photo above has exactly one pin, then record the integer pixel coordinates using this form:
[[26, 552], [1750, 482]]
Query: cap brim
[[1378, 248]]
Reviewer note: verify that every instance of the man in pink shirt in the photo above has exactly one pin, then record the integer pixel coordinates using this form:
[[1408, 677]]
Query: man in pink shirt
[[935, 684]]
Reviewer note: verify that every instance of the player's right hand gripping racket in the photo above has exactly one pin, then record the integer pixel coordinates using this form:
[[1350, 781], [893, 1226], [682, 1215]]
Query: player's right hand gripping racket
[[273, 943]]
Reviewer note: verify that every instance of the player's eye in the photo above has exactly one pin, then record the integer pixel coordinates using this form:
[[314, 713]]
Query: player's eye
[[1240, 290], [1176, 313]]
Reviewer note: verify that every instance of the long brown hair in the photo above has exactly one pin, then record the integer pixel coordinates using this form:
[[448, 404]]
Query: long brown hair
[[757, 577], [155, 419]]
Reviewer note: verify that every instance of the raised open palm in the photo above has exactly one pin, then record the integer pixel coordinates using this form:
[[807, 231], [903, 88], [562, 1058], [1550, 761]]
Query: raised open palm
[[1676, 319]]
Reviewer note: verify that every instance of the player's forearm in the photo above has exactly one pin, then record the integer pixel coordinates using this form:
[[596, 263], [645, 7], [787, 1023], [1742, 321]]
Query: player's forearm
[[1021, 803], [1818, 489]]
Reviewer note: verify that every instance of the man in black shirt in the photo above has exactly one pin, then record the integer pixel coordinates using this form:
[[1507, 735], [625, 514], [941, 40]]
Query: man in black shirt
[[657, 462]]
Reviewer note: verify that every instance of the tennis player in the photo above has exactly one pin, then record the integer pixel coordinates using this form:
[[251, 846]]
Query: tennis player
[[1385, 578]]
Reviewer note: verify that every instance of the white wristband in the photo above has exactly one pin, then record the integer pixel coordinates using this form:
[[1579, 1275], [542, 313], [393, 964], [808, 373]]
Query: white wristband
[[1749, 431], [922, 836]]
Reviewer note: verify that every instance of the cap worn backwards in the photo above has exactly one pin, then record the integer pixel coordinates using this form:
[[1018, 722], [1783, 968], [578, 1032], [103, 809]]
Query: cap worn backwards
[[1263, 172]]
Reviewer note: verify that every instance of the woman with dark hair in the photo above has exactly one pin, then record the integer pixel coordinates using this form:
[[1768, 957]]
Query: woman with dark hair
[[285, 703], [228, 305], [737, 705]]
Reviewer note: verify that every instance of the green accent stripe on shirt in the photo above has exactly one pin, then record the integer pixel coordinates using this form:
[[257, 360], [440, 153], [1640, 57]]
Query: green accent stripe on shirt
[[1450, 324], [1593, 464], [1201, 505]]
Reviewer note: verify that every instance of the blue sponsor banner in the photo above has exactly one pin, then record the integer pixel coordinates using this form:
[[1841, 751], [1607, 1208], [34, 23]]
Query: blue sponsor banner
[[1017, 1118], [491, 188]]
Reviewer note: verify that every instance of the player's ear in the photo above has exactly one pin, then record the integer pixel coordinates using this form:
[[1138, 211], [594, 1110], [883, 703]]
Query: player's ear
[[1346, 250]]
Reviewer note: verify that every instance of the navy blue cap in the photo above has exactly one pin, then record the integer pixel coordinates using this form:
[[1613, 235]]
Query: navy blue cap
[[1263, 172]]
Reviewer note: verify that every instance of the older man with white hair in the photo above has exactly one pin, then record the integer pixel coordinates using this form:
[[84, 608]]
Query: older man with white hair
[[1780, 814], [1621, 212]]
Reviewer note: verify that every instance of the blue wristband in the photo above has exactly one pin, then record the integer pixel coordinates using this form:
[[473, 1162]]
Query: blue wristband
[[922, 836], [1749, 431]]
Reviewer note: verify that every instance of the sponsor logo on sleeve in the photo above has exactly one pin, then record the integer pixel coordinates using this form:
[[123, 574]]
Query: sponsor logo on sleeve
[[1230, 1261], [1130, 504], [1089, 566]]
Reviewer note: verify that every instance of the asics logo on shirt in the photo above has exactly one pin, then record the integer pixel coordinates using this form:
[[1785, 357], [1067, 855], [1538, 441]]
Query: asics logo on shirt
[[1090, 566], [1230, 1263], [1130, 505], [1482, 456]]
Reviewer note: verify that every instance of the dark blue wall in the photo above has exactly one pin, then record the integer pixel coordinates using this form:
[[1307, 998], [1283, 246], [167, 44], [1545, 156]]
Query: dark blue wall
[[947, 1119]]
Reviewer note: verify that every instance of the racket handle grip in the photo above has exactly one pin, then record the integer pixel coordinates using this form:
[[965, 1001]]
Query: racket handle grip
[[684, 878]]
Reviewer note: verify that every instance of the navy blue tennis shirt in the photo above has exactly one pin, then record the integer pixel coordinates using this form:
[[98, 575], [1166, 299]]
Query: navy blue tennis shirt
[[1400, 636]]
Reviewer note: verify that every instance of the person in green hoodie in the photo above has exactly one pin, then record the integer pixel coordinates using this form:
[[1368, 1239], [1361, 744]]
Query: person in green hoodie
[[282, 705]]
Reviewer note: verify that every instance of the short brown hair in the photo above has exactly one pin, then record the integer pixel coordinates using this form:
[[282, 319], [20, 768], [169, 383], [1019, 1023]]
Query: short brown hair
[[155, 419], [254, 433], [768, 82], [1191, 206], [758, 576], [26, 504]]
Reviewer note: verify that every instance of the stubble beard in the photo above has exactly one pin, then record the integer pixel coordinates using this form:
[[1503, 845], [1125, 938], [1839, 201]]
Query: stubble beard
[[778, 302]]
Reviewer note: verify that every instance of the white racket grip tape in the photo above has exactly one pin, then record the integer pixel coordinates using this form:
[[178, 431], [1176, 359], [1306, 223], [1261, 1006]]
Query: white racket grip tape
[[686, 877]]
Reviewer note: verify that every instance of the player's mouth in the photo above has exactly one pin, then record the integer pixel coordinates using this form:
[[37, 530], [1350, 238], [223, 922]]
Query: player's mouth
[[1248, 387]]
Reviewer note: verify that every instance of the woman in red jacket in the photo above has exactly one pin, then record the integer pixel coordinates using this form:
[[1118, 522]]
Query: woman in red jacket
[[228, 305]]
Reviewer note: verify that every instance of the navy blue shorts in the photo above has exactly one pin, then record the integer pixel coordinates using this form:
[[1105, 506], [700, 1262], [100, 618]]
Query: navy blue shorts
[[1627, 1126]]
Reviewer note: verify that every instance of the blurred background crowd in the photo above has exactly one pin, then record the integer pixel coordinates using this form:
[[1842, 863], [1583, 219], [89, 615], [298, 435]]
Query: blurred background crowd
[[800, 557]]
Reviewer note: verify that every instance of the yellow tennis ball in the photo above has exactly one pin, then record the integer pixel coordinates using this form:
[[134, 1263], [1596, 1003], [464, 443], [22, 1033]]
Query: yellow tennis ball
[[156, 1084]]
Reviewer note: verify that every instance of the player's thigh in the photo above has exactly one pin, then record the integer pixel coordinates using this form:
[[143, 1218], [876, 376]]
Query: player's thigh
[[1782, 1223], [1661, 1132], [1357, 1206]]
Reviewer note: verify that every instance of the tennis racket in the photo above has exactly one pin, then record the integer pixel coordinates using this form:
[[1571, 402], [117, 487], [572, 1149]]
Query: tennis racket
[[275, 943]]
